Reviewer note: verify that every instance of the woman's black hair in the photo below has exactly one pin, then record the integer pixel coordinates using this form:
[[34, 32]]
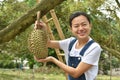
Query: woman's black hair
[[76, 14]]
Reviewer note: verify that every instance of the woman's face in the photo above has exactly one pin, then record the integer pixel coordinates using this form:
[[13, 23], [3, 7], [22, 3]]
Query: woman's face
[[81, 27]]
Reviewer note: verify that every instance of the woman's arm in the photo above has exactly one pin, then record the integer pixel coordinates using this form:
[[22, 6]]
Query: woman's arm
[[53, 44], [74, 72]]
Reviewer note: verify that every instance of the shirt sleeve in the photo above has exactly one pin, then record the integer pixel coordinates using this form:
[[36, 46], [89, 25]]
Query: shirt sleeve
[[64, 44], [92, 55]]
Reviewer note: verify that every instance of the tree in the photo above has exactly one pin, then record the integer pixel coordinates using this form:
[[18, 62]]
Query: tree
[[103, 26], [15, 44], [27, 19]]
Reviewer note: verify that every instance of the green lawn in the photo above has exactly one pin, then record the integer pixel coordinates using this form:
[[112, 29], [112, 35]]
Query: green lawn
[[7, 74], [29, 75], [105, 77]]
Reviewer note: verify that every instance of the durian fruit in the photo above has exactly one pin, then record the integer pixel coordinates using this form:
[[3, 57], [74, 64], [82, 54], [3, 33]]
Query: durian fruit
[[37, 43]]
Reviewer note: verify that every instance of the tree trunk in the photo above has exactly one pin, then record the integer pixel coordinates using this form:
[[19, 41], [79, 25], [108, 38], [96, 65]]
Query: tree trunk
[[27, 19]]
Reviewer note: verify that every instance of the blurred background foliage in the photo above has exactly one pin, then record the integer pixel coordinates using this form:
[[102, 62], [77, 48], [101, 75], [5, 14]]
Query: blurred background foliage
[[105, 21]]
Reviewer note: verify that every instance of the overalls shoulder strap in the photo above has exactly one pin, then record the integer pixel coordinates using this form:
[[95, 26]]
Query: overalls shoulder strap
[[86, 47], [71, 44]]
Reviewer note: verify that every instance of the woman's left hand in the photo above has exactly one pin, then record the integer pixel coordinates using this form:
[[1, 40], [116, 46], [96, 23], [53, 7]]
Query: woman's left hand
[[47, 59]]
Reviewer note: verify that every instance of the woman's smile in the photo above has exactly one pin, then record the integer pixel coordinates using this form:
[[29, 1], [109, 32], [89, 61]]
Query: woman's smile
[[81, 33]]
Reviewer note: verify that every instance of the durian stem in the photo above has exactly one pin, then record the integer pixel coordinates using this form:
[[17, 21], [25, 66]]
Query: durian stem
[[38, 13], [38, 16]]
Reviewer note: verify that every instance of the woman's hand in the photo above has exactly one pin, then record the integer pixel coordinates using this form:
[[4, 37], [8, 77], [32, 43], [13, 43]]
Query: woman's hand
[[47, 59], [40, 25]]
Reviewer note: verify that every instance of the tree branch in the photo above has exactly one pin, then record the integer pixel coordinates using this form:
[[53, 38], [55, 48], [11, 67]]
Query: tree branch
[[27, 19], [112, 51]]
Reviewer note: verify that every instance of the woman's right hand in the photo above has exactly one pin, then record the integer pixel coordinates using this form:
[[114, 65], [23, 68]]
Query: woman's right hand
[[47, 59], [40, 25]]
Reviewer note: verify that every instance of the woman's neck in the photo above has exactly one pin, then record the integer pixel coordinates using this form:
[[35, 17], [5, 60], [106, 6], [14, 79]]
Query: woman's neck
[[81, 43]]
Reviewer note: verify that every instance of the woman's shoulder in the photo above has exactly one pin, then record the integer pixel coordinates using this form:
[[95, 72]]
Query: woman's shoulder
[[72, 38], [69, 39], [95, 44], [66, 41]]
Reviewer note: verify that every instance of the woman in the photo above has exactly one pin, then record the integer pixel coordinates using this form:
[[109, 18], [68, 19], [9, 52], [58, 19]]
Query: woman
[[81, 52]]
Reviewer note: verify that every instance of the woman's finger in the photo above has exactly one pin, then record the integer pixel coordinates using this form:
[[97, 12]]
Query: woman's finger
[[39, 60]]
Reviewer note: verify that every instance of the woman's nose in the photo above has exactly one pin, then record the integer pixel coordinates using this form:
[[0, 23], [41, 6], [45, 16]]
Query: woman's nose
[[80, 27]]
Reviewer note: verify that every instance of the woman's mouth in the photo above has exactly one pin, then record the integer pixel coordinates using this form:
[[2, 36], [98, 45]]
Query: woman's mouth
[[81, 33]]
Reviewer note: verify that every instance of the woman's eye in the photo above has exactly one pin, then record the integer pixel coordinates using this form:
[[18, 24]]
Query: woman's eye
[[75, 26], [84, 24]]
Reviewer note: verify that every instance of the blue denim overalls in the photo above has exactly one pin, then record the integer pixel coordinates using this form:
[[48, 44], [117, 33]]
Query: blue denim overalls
[[74, 61]]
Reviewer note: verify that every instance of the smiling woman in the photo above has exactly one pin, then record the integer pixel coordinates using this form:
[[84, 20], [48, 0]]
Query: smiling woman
[[81, 52]]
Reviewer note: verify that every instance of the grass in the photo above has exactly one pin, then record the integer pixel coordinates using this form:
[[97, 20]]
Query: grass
[[41, 74], [106, 77]]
